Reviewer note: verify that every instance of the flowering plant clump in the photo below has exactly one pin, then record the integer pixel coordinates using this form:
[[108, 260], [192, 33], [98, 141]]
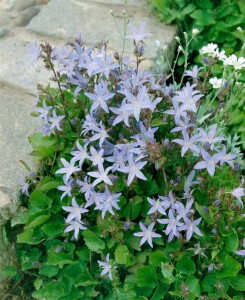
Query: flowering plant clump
[[139, 193]]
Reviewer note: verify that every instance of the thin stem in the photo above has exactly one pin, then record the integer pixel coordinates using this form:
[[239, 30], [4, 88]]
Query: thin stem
[[165, 179]]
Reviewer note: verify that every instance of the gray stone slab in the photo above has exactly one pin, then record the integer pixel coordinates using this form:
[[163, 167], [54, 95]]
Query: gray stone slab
[[16, 125], [16, 71], [67, 18]]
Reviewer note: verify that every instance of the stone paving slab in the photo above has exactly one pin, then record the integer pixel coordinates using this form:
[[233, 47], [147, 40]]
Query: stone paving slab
[[16, 71], [67, 18], [15, 127]]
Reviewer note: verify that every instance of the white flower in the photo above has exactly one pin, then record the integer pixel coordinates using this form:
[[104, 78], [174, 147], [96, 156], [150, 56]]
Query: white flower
[[209, 49], [237, 63], [195, 31], [216, 83], [147, 234]]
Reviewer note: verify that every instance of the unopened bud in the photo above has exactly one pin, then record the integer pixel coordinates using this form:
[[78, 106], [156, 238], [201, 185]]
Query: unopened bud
[[177, 39], [116, 55], [112, 12], [239, 29]]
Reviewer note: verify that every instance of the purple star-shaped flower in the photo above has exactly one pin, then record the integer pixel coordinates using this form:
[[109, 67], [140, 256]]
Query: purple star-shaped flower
[[208, 163], [137, 35], [147, 234]]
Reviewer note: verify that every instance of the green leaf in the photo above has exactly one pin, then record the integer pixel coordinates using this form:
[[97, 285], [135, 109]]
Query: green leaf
[[75, 294], [202, 17], [25, 237], [52, 291], [194, 286], [85, 279], [238, 283], [9, 271], [186, 265], [121, 254], [48, 184], [232, 242], [167, 270], [209, 284], [146, 276], [49, 271], [38, 219], [83, 253], [42, 146], [157, 258], [53, 229], [200, 209], [38, 283], [39, 200], [92, 241], [59, 258], [230, 269], [30, 259]]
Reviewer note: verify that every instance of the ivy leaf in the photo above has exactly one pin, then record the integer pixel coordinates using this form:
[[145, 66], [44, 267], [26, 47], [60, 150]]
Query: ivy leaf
[[186, 265], [92, 241], [121, 254], [146, 276]]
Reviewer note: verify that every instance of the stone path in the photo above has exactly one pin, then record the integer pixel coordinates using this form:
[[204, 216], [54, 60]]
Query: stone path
[[56, 21]]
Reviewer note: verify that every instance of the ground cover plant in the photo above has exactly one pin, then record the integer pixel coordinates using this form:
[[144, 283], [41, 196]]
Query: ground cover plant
[[217, 22], [139, 193]]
